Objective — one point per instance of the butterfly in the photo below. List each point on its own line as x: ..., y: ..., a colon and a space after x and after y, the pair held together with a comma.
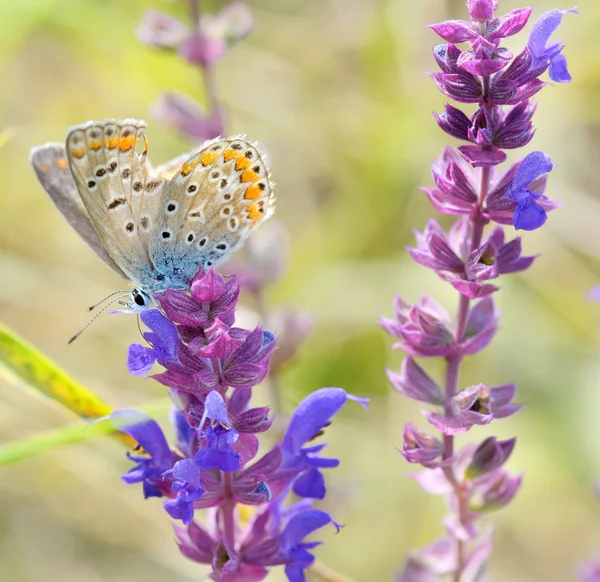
x: 155, y: 227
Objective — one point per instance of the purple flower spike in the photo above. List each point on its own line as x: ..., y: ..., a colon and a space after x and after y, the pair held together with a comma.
x: 529, y: 215
x: 219, y: 435
x: 163, y: 338
x: 544, y: 53
x: 469, y: 186
x: 311, y: 416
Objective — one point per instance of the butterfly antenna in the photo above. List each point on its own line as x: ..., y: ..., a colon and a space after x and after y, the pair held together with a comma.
x: 140, y: 330
x: 94, y: 319
x: 121, y: 292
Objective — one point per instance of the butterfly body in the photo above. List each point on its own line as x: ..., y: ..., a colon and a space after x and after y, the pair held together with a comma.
x: 157, y: 226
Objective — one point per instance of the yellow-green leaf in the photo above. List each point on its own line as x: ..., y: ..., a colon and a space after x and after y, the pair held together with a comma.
x: 39, y: 372
x: 74, y: 433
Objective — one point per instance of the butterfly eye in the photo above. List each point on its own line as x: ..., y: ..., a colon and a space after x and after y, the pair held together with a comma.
x: 138, y: 298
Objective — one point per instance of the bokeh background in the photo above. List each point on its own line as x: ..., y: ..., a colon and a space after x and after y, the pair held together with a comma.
x: 337, y: 91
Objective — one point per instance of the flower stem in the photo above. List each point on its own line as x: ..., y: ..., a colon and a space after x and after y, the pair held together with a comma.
x: 228, y: 511
x: 207, y: 72
x: 453, y: 364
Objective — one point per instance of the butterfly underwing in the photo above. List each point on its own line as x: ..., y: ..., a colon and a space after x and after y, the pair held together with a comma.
x: 155, y: 227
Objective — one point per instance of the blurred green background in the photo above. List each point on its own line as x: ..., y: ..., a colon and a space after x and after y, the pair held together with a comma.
x: 337, y: 92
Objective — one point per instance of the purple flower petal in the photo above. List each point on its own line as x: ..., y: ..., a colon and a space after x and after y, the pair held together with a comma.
x: 215, y: 409
x: 302, y: 525
x: 310, y: 484
x: 140, y: 359
x: 160, y: 30
x: 529, y: 216
x: 146, y: 432
x: 558, y: 70
x: 311, y: 415
x: 542, y: 30
x: 480, y: 158
x: 531, y: 168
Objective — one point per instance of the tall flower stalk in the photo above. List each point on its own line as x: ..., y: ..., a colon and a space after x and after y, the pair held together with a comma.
x: 211, y: 368
x: 259, y: 509
x: 468, y: 184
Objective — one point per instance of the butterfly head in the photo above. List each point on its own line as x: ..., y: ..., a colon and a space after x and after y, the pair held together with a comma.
x: 139, y: 300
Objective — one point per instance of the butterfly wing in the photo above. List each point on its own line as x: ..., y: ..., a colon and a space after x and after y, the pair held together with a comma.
x: 114, y: 185
x: 208, y: 208
x: 50, y: 164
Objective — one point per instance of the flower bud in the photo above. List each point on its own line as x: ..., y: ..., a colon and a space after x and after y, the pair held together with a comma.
x: 489, y: 455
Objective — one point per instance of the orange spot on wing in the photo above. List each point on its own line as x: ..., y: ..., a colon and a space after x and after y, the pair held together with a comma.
x: 111, y: 143
x: 242, y: 163
x: 126, y: 143
x: 254, y: 211
x: 95, y: 145
x: 253, y: 192
x: 187, y: 168
x: 230, y: 154
x: 62, y: 163
x: 208, y: 158
x: 78, y: 153
x: 249, y: 176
